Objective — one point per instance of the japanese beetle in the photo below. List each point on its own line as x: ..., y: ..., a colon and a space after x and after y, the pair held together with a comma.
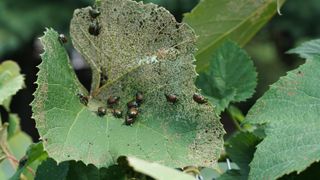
x: 133, y: 112
x: 132, y: 104
x: 113, y: 100
x: 94, y: 13
x: 199, y: 98
x: 129, y: 121
x: 83, y: 99
x: 102, y: 111
x: 171, y: 98
x: 62, y: 38
x: 94, y: 29
x: 139, y: 97
x: 117, y: 113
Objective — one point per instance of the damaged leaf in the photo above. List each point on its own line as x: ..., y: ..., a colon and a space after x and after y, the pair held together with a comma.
x: 138, y: 48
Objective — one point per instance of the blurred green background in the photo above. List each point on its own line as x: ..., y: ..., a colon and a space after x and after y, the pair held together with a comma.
x: 22, y: 22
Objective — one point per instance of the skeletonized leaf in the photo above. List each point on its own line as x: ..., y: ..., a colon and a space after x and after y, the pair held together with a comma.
x: 290, y: 113
x: 141, y: 48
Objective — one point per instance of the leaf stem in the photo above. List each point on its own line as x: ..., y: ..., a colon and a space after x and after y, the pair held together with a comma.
x: 236, y: 123
x: 236, y: 116
x: 16, y: 163
x: 9, y: 156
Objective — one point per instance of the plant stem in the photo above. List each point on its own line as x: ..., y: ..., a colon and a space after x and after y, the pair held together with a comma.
x: 16, y: 163
x: 236, y: 123
x: 9, y: 156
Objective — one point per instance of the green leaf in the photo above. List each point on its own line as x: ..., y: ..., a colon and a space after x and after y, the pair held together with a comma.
x: 240, y: 147
x: 147, y: 55
x: 235, y: 113
x: 231, y: 76
x: 51, y: 171
x: 78, y: 170
x: 290, y: 112
x: 216, y: 172
x: 308, y: 49
x: 6, y: 103
x: 310, y: 173
x: 14, y: 125
x: 217, y: 20
x: 209, y: 173
x: 10, y: 80
x: 129, y: 168
x: 156, y: 171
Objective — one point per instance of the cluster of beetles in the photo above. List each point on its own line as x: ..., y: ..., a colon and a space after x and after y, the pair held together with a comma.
x: 112, y: 101
x: 94, y: 27
x: 133, y: 106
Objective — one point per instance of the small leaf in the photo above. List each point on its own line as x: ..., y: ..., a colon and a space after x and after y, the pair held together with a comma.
x: 49, y: 170
x: 308, y: 49
x: 240, y: 147
x: 235, y: 113
x: 218, y: 171
x: 231, y: 76
x: 10, y: 80
x: 232, y: 175
x: 6, y: 103
x: 217, y: 20
x: 78, y: 170
x: 156, y: 171
x: 140, y: 48
x: 14, y: 125
x: 290, y: 114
